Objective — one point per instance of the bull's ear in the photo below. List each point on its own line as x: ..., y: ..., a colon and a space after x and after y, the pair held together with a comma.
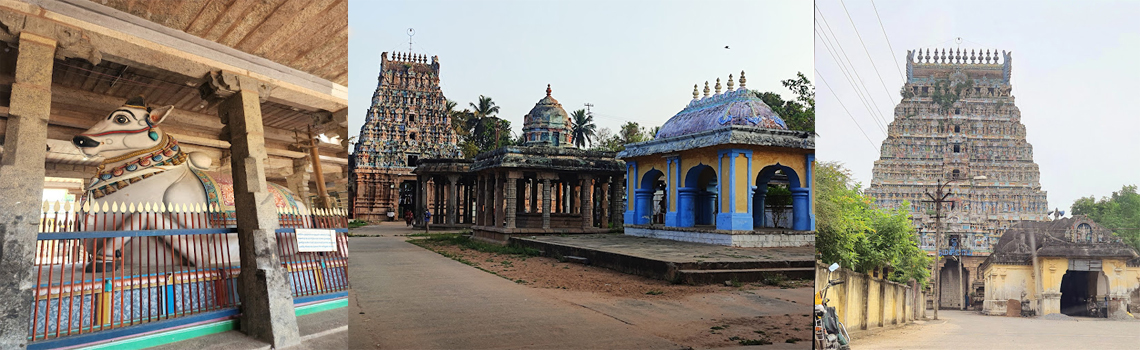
x: 159, y: 114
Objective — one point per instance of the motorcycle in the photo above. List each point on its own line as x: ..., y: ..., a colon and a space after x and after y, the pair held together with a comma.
x: 829, y: 332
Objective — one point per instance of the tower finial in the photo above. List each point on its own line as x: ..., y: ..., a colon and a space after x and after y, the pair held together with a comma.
x: 730, y: 83
x: 718, y: 86
x: 695, y: 92
x: 742, y: 80
x: 547, y: 90
x: 706, y: 89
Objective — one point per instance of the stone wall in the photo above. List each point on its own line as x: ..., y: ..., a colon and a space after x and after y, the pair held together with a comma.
x: 864, y: 302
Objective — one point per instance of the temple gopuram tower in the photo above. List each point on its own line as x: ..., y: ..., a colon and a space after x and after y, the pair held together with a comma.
x: 957, y: 122
x: 407, y: 122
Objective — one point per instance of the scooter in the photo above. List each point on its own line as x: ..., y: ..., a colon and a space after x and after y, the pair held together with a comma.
x: 829, y: 332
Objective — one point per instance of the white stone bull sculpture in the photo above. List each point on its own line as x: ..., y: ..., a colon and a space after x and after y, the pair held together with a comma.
x: 145, y: 165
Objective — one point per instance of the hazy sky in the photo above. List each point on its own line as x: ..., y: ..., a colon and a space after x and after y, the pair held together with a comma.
x: 1075, y: 78
x: 634, y: 60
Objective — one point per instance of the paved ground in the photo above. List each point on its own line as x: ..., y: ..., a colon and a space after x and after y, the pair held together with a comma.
x: 674, y: 251
x: 970, y: 330
x: 405, y: 296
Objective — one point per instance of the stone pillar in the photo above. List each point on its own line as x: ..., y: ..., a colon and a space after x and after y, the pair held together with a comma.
x: 617, y: 210
x: 566, y: 197
x: 534, y: 195
x: 587, y: 201
x: 604, y: 201
x: 489, y: 200
x: 512, y: 199
x: 500, y: 183
x: 299, y: 181
x: 452, y: 199
x: 421, y: 197
x: 22, y: 171
x: 801, y: 211
x: 546, y: 203
x: 267, y: 303
x: 481, y: 201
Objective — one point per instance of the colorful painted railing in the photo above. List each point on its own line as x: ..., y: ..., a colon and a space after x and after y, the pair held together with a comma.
x: 149, y: 275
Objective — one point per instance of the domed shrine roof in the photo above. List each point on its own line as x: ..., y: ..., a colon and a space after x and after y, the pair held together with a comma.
x: 547, y: 124
x: 740, y: 107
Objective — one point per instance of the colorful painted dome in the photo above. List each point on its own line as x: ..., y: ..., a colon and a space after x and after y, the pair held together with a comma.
x: 735, y: 107
x: 547, y: 124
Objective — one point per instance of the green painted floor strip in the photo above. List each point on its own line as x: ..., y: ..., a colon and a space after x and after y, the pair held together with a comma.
x: 147, y: 341
x: 177, y: 335
x: 323, y: 306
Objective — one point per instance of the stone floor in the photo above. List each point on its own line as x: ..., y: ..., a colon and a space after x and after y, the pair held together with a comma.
x: 674, y: 251
x: 319, y: 330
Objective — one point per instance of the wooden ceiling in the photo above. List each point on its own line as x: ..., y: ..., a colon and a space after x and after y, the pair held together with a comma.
x: 307, y: 35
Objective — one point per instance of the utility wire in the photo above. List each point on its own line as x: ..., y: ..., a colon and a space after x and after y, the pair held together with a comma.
x: 858, y: 93
x: 893, y: 55
x: 868, y: 52
x: 828, y: 86
x: 859, y: 78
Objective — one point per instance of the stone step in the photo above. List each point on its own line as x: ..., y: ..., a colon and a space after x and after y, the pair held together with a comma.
x: 697, y: 277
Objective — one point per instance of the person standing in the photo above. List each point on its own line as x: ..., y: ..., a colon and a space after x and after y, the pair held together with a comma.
x: 427, y: 220
x: 408, y: 217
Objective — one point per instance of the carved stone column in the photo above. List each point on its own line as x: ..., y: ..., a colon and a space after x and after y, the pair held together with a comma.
x: 452, y: 199
x: 587, y: 201
x: 617, y: 188
x: 267, y: 303
x: 546, y: 203
x: 512, y: 186
x: 604, y: 201
x: 22, y: 171
x: 500, y: 210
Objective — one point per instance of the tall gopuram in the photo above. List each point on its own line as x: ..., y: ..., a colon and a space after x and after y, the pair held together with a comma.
x: 407, y: 122
x: 957, y: 122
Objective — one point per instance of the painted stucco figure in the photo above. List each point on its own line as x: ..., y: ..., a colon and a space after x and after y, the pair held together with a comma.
x: 142, y: 164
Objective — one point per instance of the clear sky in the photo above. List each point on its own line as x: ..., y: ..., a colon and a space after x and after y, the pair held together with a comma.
x: 634, y: 60
x: 1075, y: 78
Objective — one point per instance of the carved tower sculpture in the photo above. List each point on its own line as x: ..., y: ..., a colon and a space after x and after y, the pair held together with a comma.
x: 407, y: 121
x: 957, y: 122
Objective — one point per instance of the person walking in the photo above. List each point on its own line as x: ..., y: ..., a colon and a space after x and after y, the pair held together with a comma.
x: 427, y: 220
x: 408, y: 217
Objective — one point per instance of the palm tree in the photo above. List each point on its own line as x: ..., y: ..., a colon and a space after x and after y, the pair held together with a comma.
x: 583, y: 129
x: 486, y: 108
x: 458, y: 118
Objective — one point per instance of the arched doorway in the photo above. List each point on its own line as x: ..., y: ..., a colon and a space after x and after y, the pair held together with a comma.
x: 697, y: 200
x: 645, y: 194
x: 1082, y: 286
x: 954, y: 287
x: 780, y: 181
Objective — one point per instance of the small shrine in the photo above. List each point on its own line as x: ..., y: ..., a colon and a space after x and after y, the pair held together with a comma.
x: 724, y: 170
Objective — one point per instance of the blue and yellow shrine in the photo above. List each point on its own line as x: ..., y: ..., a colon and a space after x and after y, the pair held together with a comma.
x: 707, y: 174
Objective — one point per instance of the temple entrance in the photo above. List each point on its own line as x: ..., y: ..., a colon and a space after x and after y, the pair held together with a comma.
x: 407, y: 199
x: 646, y: 203
x: 779, y: 201
x: 954, y: 287
x: 697, y: 201
x: 1084, y: 290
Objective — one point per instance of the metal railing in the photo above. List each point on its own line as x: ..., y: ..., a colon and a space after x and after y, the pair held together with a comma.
x: 97, y: 268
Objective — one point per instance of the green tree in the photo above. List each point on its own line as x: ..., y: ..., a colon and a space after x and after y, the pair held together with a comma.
x: 1120, y: 213
x: 478, y: 121
x: 855, y: 234
x: 798, y: 113
x: 583, y: 129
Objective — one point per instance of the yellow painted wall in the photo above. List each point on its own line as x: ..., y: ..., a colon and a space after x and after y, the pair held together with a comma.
x: 741, y: 185
x: 1004, y: 282
x: 793, y: 159
x: 1122, y: 279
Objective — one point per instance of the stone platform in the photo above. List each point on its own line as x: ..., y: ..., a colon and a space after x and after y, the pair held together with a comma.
x: 680, y: 262
x: 760, y: 238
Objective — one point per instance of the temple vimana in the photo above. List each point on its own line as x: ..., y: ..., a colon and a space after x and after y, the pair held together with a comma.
x: 407, y: 121
x: 957, y: 122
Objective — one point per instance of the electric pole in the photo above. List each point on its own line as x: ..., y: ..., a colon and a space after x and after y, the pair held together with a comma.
x: 937, y: 199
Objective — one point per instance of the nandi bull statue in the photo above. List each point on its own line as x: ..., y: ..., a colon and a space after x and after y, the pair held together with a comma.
x: 143, y: 164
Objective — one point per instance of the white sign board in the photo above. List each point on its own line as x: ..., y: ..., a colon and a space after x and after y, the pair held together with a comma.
x: 314, y: 240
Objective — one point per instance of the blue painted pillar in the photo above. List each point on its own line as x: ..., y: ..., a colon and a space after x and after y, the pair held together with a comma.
x: 733, y: 220
x: 672, y: 185
x: 801, y: 210
x: 759, y: 194
x: 643, y: 205
x: 686, y: 207
x: 630, y: 216
x: 811, y: 188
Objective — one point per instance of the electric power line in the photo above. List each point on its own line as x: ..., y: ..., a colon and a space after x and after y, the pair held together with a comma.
x: 868, y: 52
x: 893, y: 56
x: 828, y: 86
x: 863, y: 99
x: 854, y: 71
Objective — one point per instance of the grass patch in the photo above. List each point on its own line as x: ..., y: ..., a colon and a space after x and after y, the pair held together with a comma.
x: 754, y: 342
x: 465, y: 242
x: 774, y: 279
x: 717, y: 328
x: 654, y: 292
x: 357, y: 223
